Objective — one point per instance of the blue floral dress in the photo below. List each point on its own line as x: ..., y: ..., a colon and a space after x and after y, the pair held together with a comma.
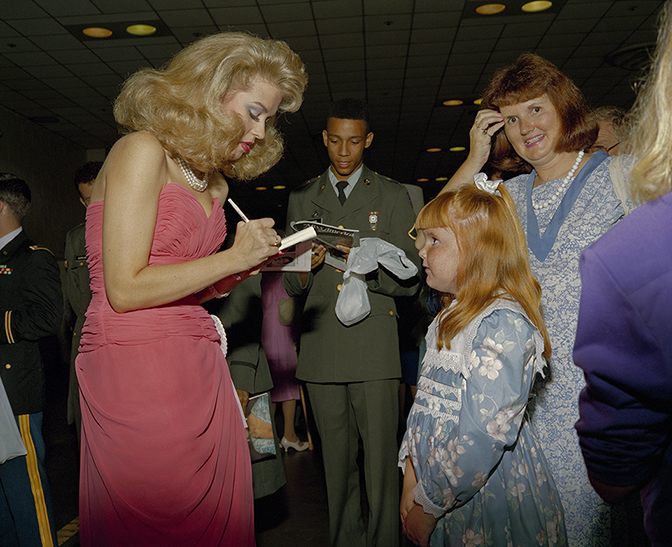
x: 595, y: 209
x: 479, y: 466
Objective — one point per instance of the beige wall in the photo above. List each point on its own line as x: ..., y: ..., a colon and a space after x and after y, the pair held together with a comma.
x: 48, y: 164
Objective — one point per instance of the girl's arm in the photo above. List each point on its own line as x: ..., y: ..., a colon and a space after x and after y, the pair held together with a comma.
x: 407, y: 495
x: 492, y: 411
x: 134, y: 173
x: 415, y: 523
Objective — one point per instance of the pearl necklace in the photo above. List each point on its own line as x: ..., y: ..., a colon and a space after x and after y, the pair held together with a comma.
x: 561, y: 188
x: 196, y: 183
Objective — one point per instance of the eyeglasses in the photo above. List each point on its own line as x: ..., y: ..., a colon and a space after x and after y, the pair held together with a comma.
x: 597, y: 148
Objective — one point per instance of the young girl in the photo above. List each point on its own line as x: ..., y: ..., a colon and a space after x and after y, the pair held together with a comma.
x: 474, y: 473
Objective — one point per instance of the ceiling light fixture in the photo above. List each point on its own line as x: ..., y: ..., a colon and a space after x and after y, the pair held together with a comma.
x: 441, y: 179
x: 453, y: 102
x: 261, y: 188
x: 536, y: 6
x: 433, y: 150
x: 422, y: 180
x: 97, y: 32
x: 478, y: 101
x: 141, y: 30
x: 457, y: 149
x: 279, y: 187
x: 490, y: 9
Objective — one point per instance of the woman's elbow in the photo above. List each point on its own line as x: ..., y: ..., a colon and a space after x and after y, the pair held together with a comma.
x: 120, y: 300
x: 611, y: 494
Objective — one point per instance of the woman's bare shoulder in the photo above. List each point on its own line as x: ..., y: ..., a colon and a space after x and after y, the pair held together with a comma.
x: 138, y: 143
x: 136, y: 160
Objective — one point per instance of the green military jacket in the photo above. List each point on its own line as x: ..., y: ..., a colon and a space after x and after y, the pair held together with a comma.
x: 330, y: 352
x: 78, y: 294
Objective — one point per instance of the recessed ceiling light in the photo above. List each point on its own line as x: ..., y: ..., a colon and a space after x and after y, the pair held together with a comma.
x: 97, y: 32
x: 141, y: 30
x: 537, y: 5
x: 453, y: 102
x: 478, y: 101
x: 422, y: 180
x: 457, y: 149
x: 490, y: 9
x: 433, y: 150
x: 261, y: 188
x: 280, y: 187
x: 441, y: 179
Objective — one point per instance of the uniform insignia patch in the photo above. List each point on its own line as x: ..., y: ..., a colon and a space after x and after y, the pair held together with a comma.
x: 373, y: 220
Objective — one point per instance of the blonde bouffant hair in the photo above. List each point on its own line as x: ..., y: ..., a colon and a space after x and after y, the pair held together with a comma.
x: 493, y: 258
x: 651, y: 177
x: 181, y: 104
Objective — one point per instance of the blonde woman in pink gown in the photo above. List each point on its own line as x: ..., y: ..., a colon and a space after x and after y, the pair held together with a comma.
x: 164, y: 455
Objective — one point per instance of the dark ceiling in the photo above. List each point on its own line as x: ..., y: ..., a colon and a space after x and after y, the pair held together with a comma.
x: 405, y: 57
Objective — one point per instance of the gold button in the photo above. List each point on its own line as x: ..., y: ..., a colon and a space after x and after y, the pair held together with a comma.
x: 8, y: 366
x: 339, y: 286
x: 341, y: 226
x: 391, y: 312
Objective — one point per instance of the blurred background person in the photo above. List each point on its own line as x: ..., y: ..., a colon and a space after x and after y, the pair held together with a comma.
x: 76, y: 288
x: 612, y: 123
x: 241, y: 315
x: 279, y: 336
x: 31, y: 304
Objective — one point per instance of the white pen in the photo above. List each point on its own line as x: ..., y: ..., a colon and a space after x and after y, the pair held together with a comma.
x: 242, y: 215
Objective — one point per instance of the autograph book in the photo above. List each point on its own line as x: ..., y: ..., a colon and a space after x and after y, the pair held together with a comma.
x: 331, y: 237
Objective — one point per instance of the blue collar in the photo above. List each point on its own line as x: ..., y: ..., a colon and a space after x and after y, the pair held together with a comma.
x: 542, y: 245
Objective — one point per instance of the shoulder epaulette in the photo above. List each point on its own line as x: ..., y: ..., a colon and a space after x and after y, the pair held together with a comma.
x: 40, y: 248
x: 386, y: 177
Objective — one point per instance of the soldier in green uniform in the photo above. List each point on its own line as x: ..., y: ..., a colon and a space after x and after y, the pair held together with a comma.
x: 352, y: 372
x: 31, y: 304
x: 77, y: 291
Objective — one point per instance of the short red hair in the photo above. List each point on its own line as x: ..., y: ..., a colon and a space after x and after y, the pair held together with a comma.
x: 532, y: 76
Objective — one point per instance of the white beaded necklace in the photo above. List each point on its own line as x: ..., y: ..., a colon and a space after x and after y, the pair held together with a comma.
x: 561, y: 188
x: 196, y: 183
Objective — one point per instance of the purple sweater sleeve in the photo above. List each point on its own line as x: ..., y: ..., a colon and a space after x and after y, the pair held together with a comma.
x: 623, y: 348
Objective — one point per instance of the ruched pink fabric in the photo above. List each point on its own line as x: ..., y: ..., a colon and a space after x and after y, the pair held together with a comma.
x: 164, y: 455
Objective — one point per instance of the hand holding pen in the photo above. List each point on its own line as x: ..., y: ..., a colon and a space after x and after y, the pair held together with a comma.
x: 256, y: 238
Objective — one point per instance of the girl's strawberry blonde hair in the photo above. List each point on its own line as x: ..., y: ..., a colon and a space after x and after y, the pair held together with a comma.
x: 493, y: 258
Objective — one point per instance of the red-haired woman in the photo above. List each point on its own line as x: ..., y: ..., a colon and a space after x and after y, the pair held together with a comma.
x: 534, y: 120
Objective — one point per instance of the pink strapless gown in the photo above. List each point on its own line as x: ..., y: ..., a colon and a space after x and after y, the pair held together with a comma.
x: 164, y: 455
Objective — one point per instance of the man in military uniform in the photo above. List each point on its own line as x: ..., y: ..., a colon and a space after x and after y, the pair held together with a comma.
x: 352, y: 372
x: 31, y: 303
x: 77, y: 290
